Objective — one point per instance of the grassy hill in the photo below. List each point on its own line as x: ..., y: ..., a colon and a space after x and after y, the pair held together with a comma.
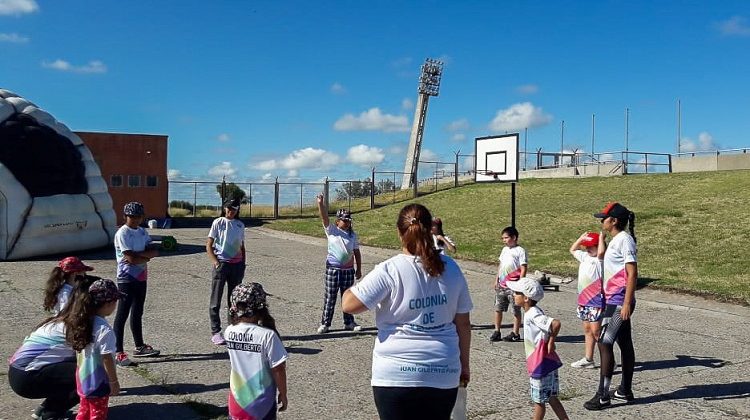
x: 691, y: 228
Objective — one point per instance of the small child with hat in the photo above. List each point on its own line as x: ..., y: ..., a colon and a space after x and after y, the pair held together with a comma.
x: 539, y: 332
x: 590, y: 299
x: 257, y: 356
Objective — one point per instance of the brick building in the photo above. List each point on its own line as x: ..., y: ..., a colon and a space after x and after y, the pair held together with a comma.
x: 135, y: 169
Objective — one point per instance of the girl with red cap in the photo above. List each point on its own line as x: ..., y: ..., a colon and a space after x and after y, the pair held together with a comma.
x: 590, y: 300
x: 61, y: 281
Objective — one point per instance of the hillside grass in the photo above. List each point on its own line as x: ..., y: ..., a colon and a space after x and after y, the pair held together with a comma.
x: 691, y: 228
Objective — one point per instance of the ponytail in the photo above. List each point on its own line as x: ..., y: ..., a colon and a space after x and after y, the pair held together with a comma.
x: 414, y: 225
x: 631, y: 225
x: 52, y: 287
x: 266, y: 320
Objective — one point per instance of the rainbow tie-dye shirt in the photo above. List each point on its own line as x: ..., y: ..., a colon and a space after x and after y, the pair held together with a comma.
x: 228, y: 236
x: 45, y: 346
x: 536, y: 327
x: 620, y: 251
x: 253, y: 352
x: 128, y: 239
x: 91, y: 378
x: 341, y: 246
x: 589, y: 279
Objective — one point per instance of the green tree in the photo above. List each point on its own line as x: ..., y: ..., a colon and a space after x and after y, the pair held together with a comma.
x: 181, y: 204
x: 231, y: 190
x: 354, y: 189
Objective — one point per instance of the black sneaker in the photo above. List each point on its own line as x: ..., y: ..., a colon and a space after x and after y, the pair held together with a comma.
x: 622, y: 396
x: 512, y: 338
x: 496, y: 336
x: 597, y: 402
x: 145, y: 351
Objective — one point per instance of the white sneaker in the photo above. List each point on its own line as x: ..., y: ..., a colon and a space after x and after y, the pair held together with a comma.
x: 583, y: 363
x: 323, y: 329
x: 353, y: 327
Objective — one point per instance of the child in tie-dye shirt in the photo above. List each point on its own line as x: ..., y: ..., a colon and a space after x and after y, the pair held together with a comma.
x: 590, y: 300
x: 539, y: 333
x: 88, y: 332
x: 257, y: 356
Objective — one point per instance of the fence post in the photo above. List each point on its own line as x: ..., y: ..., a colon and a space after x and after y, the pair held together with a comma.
x: 276, y: 199
x: 250, y: 194
x: 326, y: 197
x: 372, y: 190
x: 195, y: 198
x: 670, y: 163
x: 300, y: 199
x: 455, y: 171
x: 415, y: 183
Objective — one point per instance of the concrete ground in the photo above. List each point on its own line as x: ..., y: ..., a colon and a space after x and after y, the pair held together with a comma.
x: 692, y: 359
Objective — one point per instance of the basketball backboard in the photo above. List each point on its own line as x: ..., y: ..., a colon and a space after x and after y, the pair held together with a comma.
x: 496, y: 158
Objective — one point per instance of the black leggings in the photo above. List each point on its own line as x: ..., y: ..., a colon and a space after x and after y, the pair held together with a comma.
x: 614, y: 329
x: 402, y: 403
x: 132, y: 305
x: 55, y: 382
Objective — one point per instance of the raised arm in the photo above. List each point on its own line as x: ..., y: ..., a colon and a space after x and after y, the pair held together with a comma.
x: 577, y: 244
x: 323, y: 210
x: 602, y: 247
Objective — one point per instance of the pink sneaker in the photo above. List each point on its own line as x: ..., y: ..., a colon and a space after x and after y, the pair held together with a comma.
x: 218, y: 340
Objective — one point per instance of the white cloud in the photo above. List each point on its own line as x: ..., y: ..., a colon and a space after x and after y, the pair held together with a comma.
x: 266, y: 177
x: 458, y: 137
x: 13, y: 38
x: 173, y: 174
x: 372, y: 120
x: 407, y: 104
x: 307, y: 158
x: 529, y: 89
x: 734, y: 26
x: 427, y: 154
x: 338, y: 89
x: 223, y: 137
x: 222, y: 169
x: 458, y: 125
x: 365, y: 155
x: 94, y: 66
x: 520, y: 116
x: 705, y: 142
x: 292, y: 173
x: 17, y: 7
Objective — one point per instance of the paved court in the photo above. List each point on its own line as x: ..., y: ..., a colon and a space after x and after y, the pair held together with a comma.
x: 692, y: 358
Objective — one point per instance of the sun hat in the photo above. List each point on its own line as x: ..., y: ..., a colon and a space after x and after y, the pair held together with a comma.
x: 529, y: 287
x: 104, y: 290
x: 133, y: 208
x: 73, y: 264
x: 232, y: 203
x: 591, y: 239
x: 613, y: 209
x: 250, y: 296
x: 344, y: 214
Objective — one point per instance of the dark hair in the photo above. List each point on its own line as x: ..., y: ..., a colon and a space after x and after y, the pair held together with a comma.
x: 80, y: 289
x: 78, y: 315
x: 57, y: 278
x: 623, y: 223
x: 511, y: 231
x: 414, y: 224
x: 262, y: 315
x: 439, y: 225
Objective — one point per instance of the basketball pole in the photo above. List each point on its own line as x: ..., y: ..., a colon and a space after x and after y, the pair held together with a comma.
x: 513, y: 204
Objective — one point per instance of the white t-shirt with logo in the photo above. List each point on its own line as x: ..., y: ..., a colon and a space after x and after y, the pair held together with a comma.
x: 228, y: 236
x: 620, y: 251
x: 417, y: 342
x: 511, y: 260
x: 129, y: 239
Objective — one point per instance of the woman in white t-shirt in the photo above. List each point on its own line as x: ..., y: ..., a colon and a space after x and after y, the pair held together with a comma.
x: 619, y: 281
x: 422, y: 304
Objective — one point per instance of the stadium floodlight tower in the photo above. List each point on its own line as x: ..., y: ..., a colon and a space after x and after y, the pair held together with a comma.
x: 429, y: 85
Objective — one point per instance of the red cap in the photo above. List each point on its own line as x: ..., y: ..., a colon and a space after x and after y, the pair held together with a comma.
x: 591, y: 239
x: 72, y: 264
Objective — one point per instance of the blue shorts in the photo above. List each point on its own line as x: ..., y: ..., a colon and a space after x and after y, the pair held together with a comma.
x: 544, y: 388
x: 589, y: 313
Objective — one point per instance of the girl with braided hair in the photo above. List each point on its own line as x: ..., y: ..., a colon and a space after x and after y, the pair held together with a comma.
x: 422, y: 304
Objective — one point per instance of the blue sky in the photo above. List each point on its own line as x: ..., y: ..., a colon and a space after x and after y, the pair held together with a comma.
x: 304, y: 90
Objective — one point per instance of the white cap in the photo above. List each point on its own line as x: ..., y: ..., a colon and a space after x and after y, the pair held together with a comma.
x: 529, y: 287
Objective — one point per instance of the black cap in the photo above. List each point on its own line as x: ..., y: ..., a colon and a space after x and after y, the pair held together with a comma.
x: 232, y: 203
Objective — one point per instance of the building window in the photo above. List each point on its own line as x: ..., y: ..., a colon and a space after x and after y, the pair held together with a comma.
x: 134, y: 181
x: 151, y: 180
x: 115, y: 181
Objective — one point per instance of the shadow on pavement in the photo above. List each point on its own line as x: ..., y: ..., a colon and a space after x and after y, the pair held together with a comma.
x: 174, y: 389
x: 186, y: 357
x: 333, y: 334
x: 728, y: 391
x: 680, y: 361
x: 160, y: 411
x: 570, y: 339
x: 303, y: 350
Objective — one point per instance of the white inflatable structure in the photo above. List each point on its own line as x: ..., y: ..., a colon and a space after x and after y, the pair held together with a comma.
x: 53, y: 198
